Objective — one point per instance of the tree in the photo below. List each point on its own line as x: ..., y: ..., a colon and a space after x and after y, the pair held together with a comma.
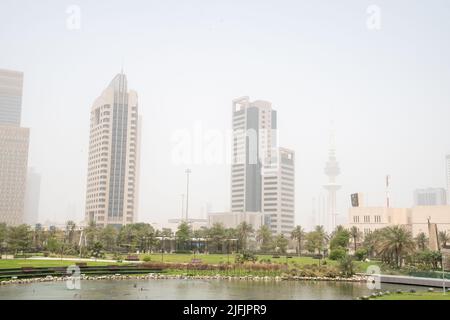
x: 340, y: 238
x: 338, y: 253
x: 217, y: 235
x: 3, y: 235
x: 91, y: 233
x: 396, y: 243
x: 281, y: 243
x: 371, y: 242
x: 184, y: 233
x: 97, y: 250
x: 421, y: 241
x: 347, y: 266
x: 136, y: 236
x: 19, y: 238
x: 244, y: 230
x: 444, y: 238
x: 356, y: 235
x: 298, y: 234
x: 316, y: 240
x: 108, y: 236
x: 264, y: 237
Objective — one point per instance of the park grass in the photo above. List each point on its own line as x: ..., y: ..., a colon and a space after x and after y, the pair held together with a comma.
x: 19, y: 263
x: 224, y: 258
x: 415, y: 296
x: 294, y: 262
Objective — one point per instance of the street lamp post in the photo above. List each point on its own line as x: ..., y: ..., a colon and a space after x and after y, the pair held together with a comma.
x: 188, y: 171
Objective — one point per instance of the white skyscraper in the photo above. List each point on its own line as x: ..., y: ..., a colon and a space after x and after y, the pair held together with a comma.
x: 254, y: 140
x: 332, y: 171
x: 113, y: 167
x: 262, y: 175
x: 279, y: 192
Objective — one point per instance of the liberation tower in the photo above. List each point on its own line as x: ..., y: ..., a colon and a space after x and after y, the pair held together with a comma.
x: 332, y: 171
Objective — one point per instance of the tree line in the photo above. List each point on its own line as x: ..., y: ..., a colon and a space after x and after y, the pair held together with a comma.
x: 392, y: 245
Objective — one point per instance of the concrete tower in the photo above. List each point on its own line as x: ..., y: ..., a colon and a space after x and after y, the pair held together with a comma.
x: 332, y: 171
x: 113, y: 167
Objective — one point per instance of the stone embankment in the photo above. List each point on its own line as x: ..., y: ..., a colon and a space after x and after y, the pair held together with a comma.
x: 156, y: 276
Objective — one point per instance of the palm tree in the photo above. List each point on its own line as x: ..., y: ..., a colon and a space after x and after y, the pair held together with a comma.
x: 395, y: 244
x: 298, y: 234
x: 264, y: 237
x: 444, y: 237
x: 356, y: 235
x: 421, y: 241
x: 244, y: 230
x: 322, y: 238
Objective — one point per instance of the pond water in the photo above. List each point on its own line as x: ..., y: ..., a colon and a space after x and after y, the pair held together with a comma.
x: 192, y: 289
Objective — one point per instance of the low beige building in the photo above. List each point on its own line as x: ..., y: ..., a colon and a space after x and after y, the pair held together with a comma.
x: 368, y: 219
x: 233, y: 219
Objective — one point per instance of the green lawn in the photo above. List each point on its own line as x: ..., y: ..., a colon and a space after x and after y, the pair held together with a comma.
x: 18, y: 263
x: 218, y: 258
x: 176, y: 258
x: 416, y: 296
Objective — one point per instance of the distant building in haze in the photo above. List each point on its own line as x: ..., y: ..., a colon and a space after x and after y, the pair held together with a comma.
x: 447, y: 171
x: 430, y: 197
x: 113, y: 165
x: 32, y: 197
x: 14, y: 141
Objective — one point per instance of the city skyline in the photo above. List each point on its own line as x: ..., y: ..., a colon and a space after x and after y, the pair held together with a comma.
x: 365, y: 85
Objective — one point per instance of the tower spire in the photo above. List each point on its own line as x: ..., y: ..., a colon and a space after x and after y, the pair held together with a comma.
x: 332, y: 170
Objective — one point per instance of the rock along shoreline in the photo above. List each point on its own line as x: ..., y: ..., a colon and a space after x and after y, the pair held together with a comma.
x: 156, y: 276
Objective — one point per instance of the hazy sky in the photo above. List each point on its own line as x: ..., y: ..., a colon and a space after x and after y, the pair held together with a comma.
x: 387, y: 90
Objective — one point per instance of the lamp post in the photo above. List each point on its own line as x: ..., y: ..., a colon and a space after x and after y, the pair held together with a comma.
x: 443, y: 272
x: 188, y: 171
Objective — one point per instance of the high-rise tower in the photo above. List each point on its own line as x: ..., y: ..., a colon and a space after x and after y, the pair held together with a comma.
x: 254, y: 141
x: 14, y: 142
x: 332, y: 171
x: 113, y: 167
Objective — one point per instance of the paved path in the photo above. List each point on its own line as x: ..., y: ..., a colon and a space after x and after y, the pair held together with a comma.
x: 80, y: 259
x: 415, y: 281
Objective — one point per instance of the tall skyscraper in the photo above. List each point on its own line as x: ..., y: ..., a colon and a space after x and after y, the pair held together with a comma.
x: 262, y: 175
x: 332, y: 171
x: 14, y: 142
x: 447, y: 171
x: 254, y: 138
x: 279, y: 192
x: 11, y: 84
x: 32, y: 197
x: 113, y: 166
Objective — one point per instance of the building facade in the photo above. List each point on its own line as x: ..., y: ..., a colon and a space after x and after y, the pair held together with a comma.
x: 262, y: 174
x: 233, y: 219
x: 32, y: 197
x: 113, y: 164
x: 11, y: 85
x: 254, y: 138
x: 415, y: 219
x: 14, y: 142
x: 430, y: 197
x: 279, y: 193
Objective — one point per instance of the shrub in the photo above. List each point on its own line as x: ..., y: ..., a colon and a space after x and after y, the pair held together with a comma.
x: 361, y: 254
x: 147, y: 258
x: 338, y: 253
x: 347, y: 266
